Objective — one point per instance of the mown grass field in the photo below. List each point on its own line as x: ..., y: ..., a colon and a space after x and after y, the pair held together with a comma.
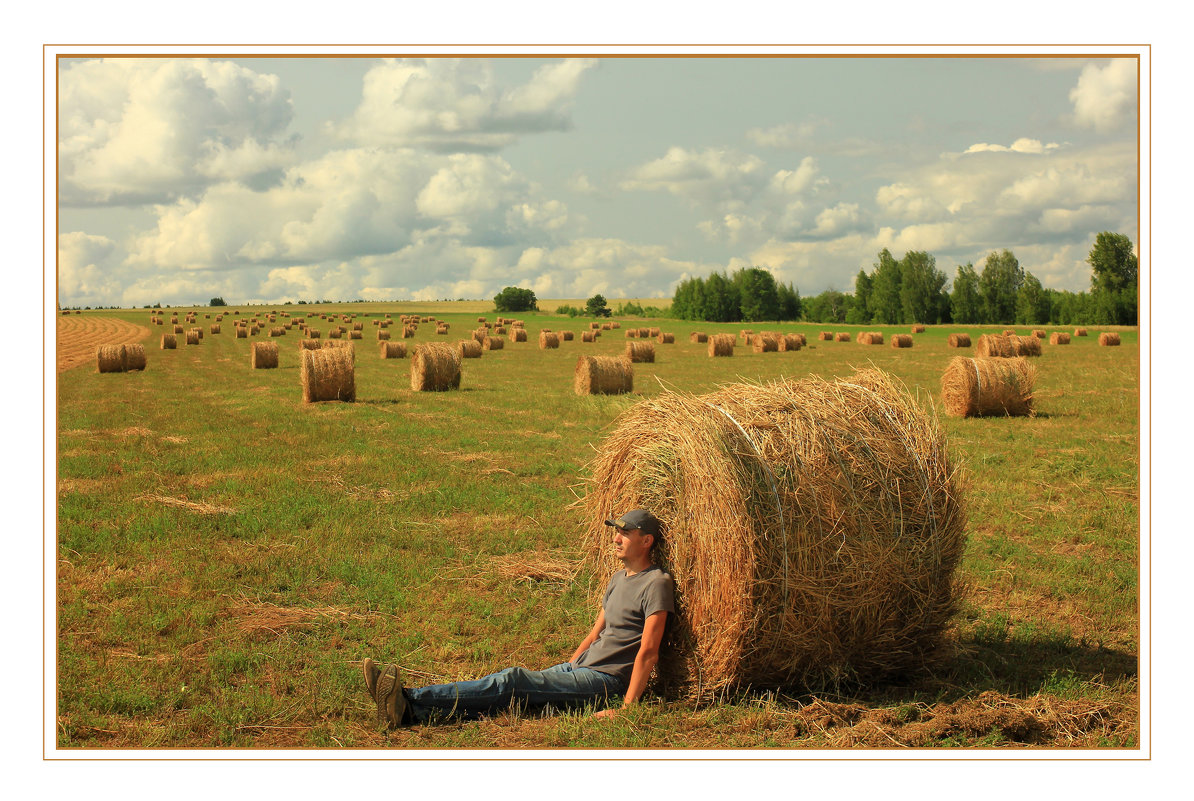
x: 227, y: 555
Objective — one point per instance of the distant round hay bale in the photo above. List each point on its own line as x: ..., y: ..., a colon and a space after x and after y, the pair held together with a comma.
x: 588, y: 336
x: 595, y: 326
x: 958, y: 340
x: 1026, y: 346
x: 644, y: 333
x: 603, y: 375
x: 518, y: 335
x: 178, y: 329
x: 500, y: 330
x: 134, y: 356
x: 721, y: 344
x: 435, y: 367
x: 263, y: 355
x: 480, y: 319
x: 334, y: 333
x: 986, y: 387
x: 193, y: 336
x: 918, y: 329
x: 992, y: 346
x: 566, y: 336
x: 358, y: 327
x: 111, y: 359
x: 1039, y: 333
x: 666, y: 339
x: 309, y: 344
x: 383, y: 334
x: 871, y: 338
x: 764, y: 343
x: 698, y: 338
x: 607, y: 326
x: 393, y: 350
x: 174, y: 318
x: 479, y: 334
x: 328, y: 374
x: 254, y: 329
x: 355, y: 334
x: 640, y: 351
x: 825, y: 336
x: 470, y: 349
x: 836, y: 527
x: 615, y: 324
x: 652, y: 333
x: 277, y: 331
x: 1110, y: 338
x: 312, y: 333
x: 169, y: 342
x: 1059, y: 338
x: 493, y: 343
x: 1079, y: 332
x: 408, y: 331
x: 632, y: 333
x: 548, y: 339
x: 842, y: 336
x: 215, y: 328
x: 789, y: 342
x: 901, y: 340
x: 241, y: 332
x: 65, y: 312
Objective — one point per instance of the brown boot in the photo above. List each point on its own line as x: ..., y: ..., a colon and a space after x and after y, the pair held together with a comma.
x: 391, y: 703
x: 371, y: 671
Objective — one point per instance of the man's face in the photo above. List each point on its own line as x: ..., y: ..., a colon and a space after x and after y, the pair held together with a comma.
x: 631, y: 545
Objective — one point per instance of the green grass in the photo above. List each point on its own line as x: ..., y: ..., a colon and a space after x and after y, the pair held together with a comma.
x: 294, y: 540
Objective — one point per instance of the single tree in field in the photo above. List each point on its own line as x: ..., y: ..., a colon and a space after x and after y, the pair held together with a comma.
x: 596, y: 307
x: 999, y: 284
x: 1113, y: 279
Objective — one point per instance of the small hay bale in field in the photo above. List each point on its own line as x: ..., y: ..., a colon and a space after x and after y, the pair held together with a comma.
x: 241, y: 332
x: 871, y: 338
x: 173, y: 319
x: 65, y: 312
x: 839, y: 528
x: 254, y: 329
x: 901, y: 341
x: 632, y: 333
x: 178, y: 329
x: 721, y: 344
x: 825, y: 336
x: 988, y: 387
x: 1079, y: 332
x: 480, y: 334
x: 383, y: 334
x: 435, y: 367
x: 603, y: 375
x: 1039, y: 333
x: 666, y: 339
x: 169, y: 342
x: 500, y: 330
x: 1110, y: 338
x: 607, y: 326
x: 263, y: 355
x: 652, y: 333
x: 193, y: 337
x: 358, y: 326
x: 134, y: 356
x: 355, y: 334
x: 493, y: 343
x: 309, y: 344
x: 312, y: 333
x: 640, y: 351
x: 615, y: 324
x: 644, y: 333
x: 787, y: 342
x: 328, y: 374
x: 764, y: 343
x: 470, y: 349
x: 918, y: 329
x: 1059, y: 338
x: 215, y: 328
x: 958, y: 340
x: 393, y: 350
x: 992, y: 346
x: 698, y: 337
x: 588, y: 336
x: 594, y: 326
x: 480, y: 319
x: 277, y: 331
x: 110, y: 358
x: 518, y: 335
x: 842, y: 336
x: 1026, y: 346
x: 566, y: 336
x: 548, y: 339
x: 408, y: 331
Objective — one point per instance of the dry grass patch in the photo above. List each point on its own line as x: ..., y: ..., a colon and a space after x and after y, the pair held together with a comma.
x: 190, y: 506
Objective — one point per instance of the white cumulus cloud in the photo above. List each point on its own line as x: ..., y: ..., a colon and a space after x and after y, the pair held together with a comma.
x: 1105, y: 97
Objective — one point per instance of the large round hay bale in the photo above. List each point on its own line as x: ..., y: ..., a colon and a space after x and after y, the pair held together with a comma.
x: 789, y: 342
x: 842, y: 336
x: 518, y: 335
x: 134, y: 356
x: 1109, y: 338
x: 277, y: 331
x: 215, y: 328
x: 991, y: 346
x: 651, y: 333
x: 698, y: 337
x: 241, y: 332
x: 193, y: 336
x: 566, y: 336
x: 1026, y: 346
x: 110, y: 358
x: 958, y: 340
x: 393, y: 350
x: 328, y: 374
x: 985, y: 387
x: 548, y: 339
x: 813, y: 529
x: 341, y: 344
x: 333, y: 334
x: 312, y: 333
x: 721, y: 344
x: 588, y: 336
x: 435, y: 367
x: 764, y: 343
x: 666, y: 339
x: 640, y: 351
x: 178, y: 329
x: 408, y: 331
x: 263, y: 355
x: 1059, y: 338
x: 354, y: 334
x: 603, y: 375
x: 871, y: 338
x: 470, y: 349
x: 1079, y: 332
x: 632, y: 333
x: 383, y: 334
x: 901, y: 340
x: 493, y: 343
x: 169, y: 342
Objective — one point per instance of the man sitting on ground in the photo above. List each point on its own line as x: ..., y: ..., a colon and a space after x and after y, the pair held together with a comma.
x: 616, y: 658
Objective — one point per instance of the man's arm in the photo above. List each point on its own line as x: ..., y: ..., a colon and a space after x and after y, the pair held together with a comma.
x: 589, y: 640
x: 644, y: 662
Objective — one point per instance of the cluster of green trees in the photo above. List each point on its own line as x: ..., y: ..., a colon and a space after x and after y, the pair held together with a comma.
x: 914, y: 290
x: 749, y: 295
x: 514, y: 299
x: 595, y: 306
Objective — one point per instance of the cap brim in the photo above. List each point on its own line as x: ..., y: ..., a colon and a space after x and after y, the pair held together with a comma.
x: 612, y: 523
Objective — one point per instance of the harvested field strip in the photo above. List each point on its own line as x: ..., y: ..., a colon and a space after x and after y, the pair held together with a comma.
x: 78, y: 337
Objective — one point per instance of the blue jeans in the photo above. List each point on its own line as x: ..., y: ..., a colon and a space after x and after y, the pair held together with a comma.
x: 560, y: 686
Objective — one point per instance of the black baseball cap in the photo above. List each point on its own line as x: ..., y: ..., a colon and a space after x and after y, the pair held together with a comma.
x: 637, y: 518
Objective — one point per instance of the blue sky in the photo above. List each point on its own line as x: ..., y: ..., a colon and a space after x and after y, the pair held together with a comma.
x: 275, y: 179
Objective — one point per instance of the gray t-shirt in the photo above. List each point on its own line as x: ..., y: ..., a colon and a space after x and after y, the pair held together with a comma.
x: 628, y: 602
